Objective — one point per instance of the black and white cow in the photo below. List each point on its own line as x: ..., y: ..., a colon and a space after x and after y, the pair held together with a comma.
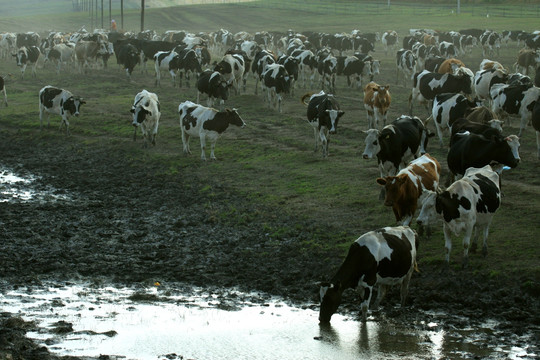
x: 491, y: 43
x: 467, y: 204
x: 167, y: 60
x: 262, y: 59
x: 3, y: 90
x: 146, y: 114
x: 61, y: 54
x: 307, y: 64
x: 327, y: 68
x: 398, y: 143
x: 448, y: 107
x: 473, y: 150
x: 353, y: 66
x: 128, y: 57
x: 206, y: 123
x: 323, y: 113
x: 276, y: 81
x: 232, y: 66
x: 53, y: 100
x: 291, y: 65
x: 429, y: 84
x: 406, y: 64
x: 213, y: 84
x: 485, y: 79
x: 433, y: 63
x: 448, y: 49
x: 389, y: 39
x: 376, y: 260
x: 515, y: 99
x: 189, y: 63
x: 27, y: 55
x: 535, y: 120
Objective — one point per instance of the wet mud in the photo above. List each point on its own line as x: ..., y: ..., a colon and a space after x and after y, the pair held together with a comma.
x: 120, y: 223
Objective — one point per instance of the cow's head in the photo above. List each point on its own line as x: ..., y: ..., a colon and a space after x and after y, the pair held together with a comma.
x: 393, y: 186
x: 21, y: 56
x: 73, y: 105
x: 507, y: 150
x: 372, y: 144
x: 139, y: 114
x: 330, y: 118
x: 428, y: 211
x: 330, y: 299
x: 234, y: 118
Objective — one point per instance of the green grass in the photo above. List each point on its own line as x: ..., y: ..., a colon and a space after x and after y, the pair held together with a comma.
x: 271, y: 161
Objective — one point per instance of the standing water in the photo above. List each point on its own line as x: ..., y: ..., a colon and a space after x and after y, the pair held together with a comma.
x: 151, y: 324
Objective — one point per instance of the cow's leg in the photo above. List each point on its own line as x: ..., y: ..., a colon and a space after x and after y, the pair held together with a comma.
x: 279, y: 100
x: 6, y: 103
x: 364, y: 305
x: 23, y: 69
x: 484, y: 244
x: 523, y: 124
x: 41, y: 109
x: 316, y: 139
x: 381, y: 292
x: 202, y: 137
x: 173, y: 77
x: 537, y: 142
x: 212, y: 147
x: 185, y: 142
x: 447, y: 243
x: 407, y: 220
x: 324, y: 142
x: 466, y: 243
x: 405, y: 287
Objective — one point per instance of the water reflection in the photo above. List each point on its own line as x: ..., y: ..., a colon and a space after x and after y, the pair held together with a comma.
x: 15, y: 188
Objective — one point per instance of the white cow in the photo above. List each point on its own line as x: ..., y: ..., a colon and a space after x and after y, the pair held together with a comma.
x: 146, y: 115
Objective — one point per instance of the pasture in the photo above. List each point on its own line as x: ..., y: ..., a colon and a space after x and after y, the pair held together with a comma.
x: 270, y: 164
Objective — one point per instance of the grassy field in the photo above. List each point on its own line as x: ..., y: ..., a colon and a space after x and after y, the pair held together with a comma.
x: 271, y: 161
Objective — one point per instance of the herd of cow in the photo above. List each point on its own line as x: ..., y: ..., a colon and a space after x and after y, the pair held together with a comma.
x: 409, y: 177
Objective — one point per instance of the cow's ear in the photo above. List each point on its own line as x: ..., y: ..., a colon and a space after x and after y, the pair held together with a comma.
x: 381, y: 181
x: 341, y: 112
x: 132, y: 111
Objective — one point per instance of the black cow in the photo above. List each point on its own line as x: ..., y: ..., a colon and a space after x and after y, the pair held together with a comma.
x: 428, y: 84
x: 377, y: 259
x: 327, y: 68
x: 213, y: 84
x: 27, y: 55
x: 128, y: 57
x: 473, y: 150
x: 433, y: 63
x: 323, y: 113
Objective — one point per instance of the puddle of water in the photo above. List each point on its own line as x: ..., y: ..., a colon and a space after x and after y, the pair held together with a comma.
x: 196, y: 326
x: 16, y: 188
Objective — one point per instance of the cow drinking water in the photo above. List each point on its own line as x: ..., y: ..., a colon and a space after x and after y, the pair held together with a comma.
x: 377, y: 259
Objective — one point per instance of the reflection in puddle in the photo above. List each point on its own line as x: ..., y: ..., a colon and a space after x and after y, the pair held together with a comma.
x: 15, y: 188
x: 196, y: 324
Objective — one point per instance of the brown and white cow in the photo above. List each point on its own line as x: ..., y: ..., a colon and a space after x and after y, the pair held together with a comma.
x: 377, y: 259
x: 204, y: 122
x: 468, y: 203
x: 404, y: 192
x: 449, y: 66
x: 526, y: 59
x: 377, y: 101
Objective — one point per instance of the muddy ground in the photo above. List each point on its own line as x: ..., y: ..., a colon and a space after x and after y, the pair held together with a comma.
x: 125, y: 225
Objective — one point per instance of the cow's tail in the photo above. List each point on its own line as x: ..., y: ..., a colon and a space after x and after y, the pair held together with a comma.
x: 416, y: 267
x: 428, y: 120
x: 306, y: 96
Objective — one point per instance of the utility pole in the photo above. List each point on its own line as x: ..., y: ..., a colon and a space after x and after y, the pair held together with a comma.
x: 122, y: 14
x: 102, y: 14
x: 110, y: 12
x: 142, y: 15
x: 458, y: 7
